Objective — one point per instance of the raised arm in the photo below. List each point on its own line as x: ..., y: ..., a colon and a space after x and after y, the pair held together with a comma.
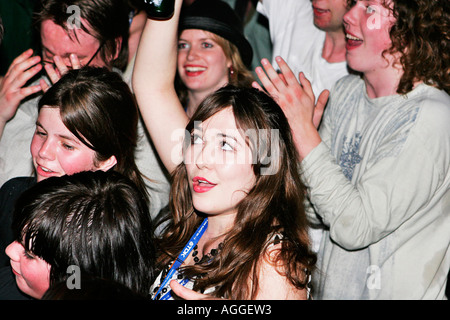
x: 153, y: 84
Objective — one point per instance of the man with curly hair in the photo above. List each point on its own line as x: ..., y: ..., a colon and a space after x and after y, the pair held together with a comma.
x: 378, y: 170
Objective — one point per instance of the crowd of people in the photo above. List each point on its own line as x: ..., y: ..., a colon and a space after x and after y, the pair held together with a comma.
x: 150, y: 158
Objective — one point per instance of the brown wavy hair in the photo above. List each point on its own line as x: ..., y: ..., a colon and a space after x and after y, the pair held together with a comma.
x: 421, y: 33
x: 273, y: 205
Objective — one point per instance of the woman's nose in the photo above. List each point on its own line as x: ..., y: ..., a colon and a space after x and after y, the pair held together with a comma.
x: 46, y: 151
x: 14, y: 250
x: 205, y: 157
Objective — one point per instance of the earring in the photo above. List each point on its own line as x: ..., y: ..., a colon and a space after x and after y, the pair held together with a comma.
x: 231, y: 71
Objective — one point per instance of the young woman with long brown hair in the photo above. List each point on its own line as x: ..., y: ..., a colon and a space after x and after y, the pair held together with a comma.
x: 238, y: 227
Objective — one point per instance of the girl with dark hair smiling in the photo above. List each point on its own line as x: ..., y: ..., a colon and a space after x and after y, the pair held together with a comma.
x: 87, y: 121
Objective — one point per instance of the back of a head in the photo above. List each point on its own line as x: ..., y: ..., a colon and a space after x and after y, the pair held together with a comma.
x: 97, y: 221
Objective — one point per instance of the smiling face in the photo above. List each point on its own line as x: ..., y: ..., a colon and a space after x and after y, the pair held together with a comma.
x: 202, y: 63
x: 32, y: 273
x: 219, y: 165
x: 55, y: 150
x: 367, y: 26
x: 328, y: 14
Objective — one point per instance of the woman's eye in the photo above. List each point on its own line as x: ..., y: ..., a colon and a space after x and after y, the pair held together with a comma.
x: 28, y: 255
x: 226, y: 146
x: 370, y: 9
x: 40, y: 133
x: 68, y: 147
x: 182, y: 45
x: 196, y: 139
x: 207, y: 45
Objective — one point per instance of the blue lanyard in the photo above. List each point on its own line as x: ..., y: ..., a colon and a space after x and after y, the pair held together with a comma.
x: 181, y: 258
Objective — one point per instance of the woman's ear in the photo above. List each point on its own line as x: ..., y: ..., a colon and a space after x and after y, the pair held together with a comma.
x: 107, y: 164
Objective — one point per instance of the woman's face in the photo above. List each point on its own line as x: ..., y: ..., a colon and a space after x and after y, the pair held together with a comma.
x: 32, y: 273
x: 56, y: 151
x: 367, y: 26
x: 202, y: 63
x: 219, y: 165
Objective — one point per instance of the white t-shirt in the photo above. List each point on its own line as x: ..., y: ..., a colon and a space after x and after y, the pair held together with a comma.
x: 299, y: 42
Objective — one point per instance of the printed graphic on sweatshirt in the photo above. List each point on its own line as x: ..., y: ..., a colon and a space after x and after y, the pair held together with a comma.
x: 350, y: 155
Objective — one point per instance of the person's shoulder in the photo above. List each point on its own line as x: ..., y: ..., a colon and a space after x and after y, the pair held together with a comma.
x: 18, y: 183
x: 434, y: 97
x: 430, y: 110
x: 434, y: 103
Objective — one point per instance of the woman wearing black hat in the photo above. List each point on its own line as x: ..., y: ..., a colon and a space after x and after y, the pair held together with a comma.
x: 212, y: 52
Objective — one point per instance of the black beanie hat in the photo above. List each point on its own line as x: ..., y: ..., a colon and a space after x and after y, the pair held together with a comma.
x: 219, y: 18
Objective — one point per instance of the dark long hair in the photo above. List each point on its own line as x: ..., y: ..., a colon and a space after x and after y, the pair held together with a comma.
x: 97, y: 106
x: 274, y: 204
x: 97, y: 221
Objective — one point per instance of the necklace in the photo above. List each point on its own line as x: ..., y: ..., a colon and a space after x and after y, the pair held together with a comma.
x: 207, y: 257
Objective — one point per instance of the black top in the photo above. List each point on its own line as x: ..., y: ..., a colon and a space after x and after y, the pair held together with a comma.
x: 9, y: 192
x: 8, y: 286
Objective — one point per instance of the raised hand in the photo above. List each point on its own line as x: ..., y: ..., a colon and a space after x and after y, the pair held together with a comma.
x: 55, y: 74
x: 295, y: 98
x: 12, y: 89
x: 297, y: 101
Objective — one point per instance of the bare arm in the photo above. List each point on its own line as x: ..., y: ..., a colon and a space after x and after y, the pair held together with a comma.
x: 273, y: 284
x: 153, y: 84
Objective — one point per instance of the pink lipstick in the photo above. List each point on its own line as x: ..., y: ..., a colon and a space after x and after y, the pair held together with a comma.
x: 201, y: 185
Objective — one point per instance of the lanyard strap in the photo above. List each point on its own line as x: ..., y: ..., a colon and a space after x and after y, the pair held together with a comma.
x: 183, y: 255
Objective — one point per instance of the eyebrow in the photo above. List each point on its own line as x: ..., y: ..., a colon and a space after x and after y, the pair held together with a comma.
x: 74, y: 139
x: 201, y: 39
x: 221, y: 135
